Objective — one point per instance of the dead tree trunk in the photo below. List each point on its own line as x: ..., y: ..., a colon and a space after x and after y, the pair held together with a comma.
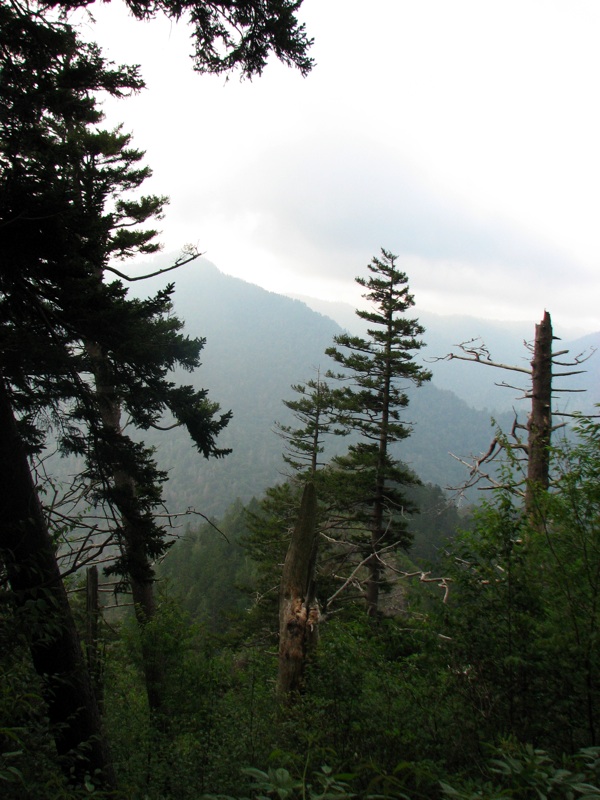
x: 536, y: 449
x: 539, y: 424
x: 298, y: 614
x: 28, y: 553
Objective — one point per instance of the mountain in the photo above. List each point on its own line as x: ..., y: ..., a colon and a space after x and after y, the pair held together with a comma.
x: 257, y: 344
x: 505, y: 342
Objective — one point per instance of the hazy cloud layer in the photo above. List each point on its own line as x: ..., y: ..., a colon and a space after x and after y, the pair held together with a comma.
x: 462, y: 136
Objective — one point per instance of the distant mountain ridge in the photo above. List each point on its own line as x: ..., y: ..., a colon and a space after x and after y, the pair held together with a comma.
x: 505, y: 341
x: 258, y: 343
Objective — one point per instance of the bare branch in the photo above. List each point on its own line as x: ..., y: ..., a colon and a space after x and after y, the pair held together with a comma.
x: 192, y: 512
x: 179, y: 263
x: 478, y: 353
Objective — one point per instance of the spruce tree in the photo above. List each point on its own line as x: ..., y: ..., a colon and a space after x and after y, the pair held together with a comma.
x: 129, y: 346
x: 60, y: 322
x: 315, y: 410
x: 376, y: 373
x: 66, y: 210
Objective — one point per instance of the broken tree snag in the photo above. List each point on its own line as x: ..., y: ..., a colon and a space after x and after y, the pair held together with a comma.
x: 298, y: 615
x: 539, y: 424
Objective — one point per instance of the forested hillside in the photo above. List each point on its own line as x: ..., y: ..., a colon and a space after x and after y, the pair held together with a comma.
x: 257, y: 345
x: 505, y: 341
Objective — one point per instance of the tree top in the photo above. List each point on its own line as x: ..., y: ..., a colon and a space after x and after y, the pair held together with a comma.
x: 229, y: 34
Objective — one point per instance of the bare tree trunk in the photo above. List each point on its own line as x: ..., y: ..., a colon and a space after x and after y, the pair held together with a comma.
x: 28, y: 552
x: 539, y: 425
x: 298, y: 615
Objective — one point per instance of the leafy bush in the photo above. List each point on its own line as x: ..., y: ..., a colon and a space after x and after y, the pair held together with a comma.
x: 523, y: 772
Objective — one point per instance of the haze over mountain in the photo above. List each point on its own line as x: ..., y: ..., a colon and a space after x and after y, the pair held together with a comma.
x: 506, y: 342
x: 258, y: 343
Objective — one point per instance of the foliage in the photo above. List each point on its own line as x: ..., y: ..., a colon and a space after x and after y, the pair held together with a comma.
x: 278, y: 782
x: 524, y: 616
x: 316, y: 410
x: 210, y: 572
x: 375, y: 371
x: 392, y: 704
x: 521, y: 771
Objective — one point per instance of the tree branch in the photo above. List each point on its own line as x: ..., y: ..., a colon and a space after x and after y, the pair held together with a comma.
x: 179, y: 263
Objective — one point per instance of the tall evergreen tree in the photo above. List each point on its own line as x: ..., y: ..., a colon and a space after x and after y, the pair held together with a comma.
x: 376, y: 371
x: 59, y: 321
x: 45, y: 77
x: 131, y: 372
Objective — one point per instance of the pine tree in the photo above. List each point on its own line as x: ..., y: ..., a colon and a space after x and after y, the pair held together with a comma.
x: 376, y: 372
x: 315, y: 410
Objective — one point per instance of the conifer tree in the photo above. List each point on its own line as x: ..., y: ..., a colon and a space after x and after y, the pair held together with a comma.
x: 130, y: 371
x: 45, y: 76
x: 60, y: 322
x: 230, y: 35
x: 66, y: 210
x: 376, y: 373
x: 315, y: 410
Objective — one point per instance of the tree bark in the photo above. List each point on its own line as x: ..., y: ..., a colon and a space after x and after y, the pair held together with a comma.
x: 298, y: 615
x: 92, y: 618
x: 140, y: 571
x: 374, y: 564
x: 28, y: 552
x: 539, y: 425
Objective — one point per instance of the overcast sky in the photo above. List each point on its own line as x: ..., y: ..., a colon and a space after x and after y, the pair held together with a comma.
x: 462, y: 135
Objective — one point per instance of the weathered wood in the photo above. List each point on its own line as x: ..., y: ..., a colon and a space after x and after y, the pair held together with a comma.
x: 539, y: 424
x: 298, y: 615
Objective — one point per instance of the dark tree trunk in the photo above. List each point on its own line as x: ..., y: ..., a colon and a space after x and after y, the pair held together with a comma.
x: 92, y: 615
x: 539, y: 425
x: 41, y: 601
x: 298, y: 615
x: 133, y: 534
x: 152, y: 657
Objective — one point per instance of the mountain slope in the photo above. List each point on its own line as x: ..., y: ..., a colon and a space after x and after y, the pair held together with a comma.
x: 506, y: 343
x: 258, y: 344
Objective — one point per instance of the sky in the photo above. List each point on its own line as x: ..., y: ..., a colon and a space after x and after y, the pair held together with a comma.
x: 462, y: 136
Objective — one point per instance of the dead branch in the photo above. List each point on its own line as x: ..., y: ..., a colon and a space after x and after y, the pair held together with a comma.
x: 349, y: 580
x: 424, y: 577
x: 192, y: 256
x: 479, y: 354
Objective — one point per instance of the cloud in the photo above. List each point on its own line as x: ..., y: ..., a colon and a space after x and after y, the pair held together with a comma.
x: 454, y: 136
x: 324, y: 193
